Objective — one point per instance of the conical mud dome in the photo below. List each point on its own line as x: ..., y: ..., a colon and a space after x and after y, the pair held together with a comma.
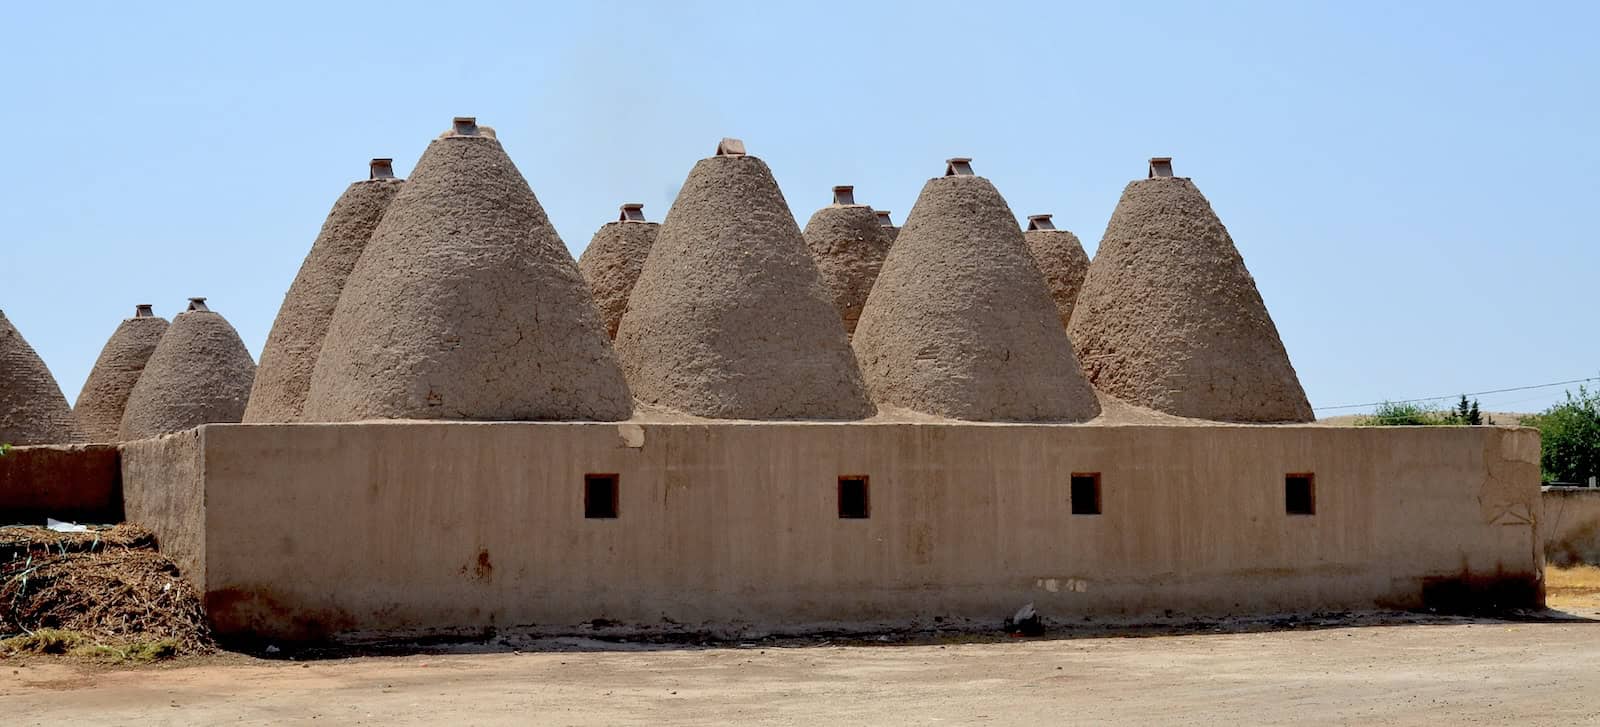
x: 848, y: 243
x: 466, y: 305
x: 279, y: 394
x: 729, y: 318
x: 1062, y: 260
x: 1170, y: 319
x: 105, y: 394
x: 890, y: 232
x: 613, y: 259
x: 32, y: 408
x: 960, y: 323
x: 200, y: 373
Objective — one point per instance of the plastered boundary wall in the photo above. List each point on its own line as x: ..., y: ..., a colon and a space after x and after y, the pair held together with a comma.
x: 1571, y: 525
x: 319, y: 530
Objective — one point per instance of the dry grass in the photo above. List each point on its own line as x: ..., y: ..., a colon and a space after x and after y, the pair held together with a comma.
x: 59, y: 642
x: 1578, y: 586
x: 102, y: 593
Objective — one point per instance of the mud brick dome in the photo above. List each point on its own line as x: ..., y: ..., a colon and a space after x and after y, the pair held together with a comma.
x: 32, y: 408
x: 200, y: 373
x: 730, y: 317
x: 104, y: 397
x: 1169, y: 318
x: 960, y: 322
x: 848, y: 243
x: 466, y: 305
x: 1062, y: 260
x: 279, y: 394
x: 612, y: 261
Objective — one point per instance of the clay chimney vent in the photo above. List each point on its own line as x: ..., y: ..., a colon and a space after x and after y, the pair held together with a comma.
x: 958, y: 166
x: 883, y: 218
x: 465, y: 126
x: 844, y: 194
x: 198, y: 304
x: 1040, y: 222
x: 632, y: 212
x: 380, y: 169
x: 144, y: 310
x: 1160, y: 167
x: 730, y: 147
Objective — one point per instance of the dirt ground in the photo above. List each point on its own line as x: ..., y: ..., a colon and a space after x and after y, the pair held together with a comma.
x: 1448, y: 671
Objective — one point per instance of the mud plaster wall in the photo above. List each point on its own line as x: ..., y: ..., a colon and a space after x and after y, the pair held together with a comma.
x: 340, y: 529
x: 1571, y: 525
x: 75, y: 482
x: 168, y: 496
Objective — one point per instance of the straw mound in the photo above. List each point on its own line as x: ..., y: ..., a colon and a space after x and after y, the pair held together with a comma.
x: 849, y: 245
x: 1064, y: 263
x: 611, y: 264
x: 279, y: 392
x: 105, y: 394
x: 729, y: 318
x: 110, y: 586
x: 1170, y: 319
x: 960, y: 323
x: 32, y: 408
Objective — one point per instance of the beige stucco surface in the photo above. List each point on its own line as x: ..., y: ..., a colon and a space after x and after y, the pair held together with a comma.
x: 163, y: 487
x: 1571, y: 525
x: 335, y: 529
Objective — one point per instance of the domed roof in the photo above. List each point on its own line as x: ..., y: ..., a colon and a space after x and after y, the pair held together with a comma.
x: 729, y: 317
x: 279, y: 394
x: 960, y: 323
x: 1170, y: 319
x: 1062, y: 260
x: 890, y: 232
x: 104, y: 397
x: 466, y: 305
x: 32, y: 408
x: 613, y: 259
x: 848, y: 243
x: 200, y: 373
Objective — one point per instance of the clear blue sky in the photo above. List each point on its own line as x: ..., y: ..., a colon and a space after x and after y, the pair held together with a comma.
x: 1411, y: 186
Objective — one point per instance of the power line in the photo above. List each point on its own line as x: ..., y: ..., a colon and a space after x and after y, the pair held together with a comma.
x: 1452, y: 396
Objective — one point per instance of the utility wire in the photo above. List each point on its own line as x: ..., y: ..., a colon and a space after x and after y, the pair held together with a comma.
x: 1452, y: 396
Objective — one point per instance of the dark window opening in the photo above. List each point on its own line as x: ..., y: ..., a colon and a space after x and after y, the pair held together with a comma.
x: 1300, y: 494
x: 600, y: 496
x: 853, y: 498
x: 1086, y: 493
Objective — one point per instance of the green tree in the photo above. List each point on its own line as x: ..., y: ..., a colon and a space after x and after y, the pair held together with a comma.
x: 1412, y: 414
x: 1569, y: 435
x: 1404, y: 414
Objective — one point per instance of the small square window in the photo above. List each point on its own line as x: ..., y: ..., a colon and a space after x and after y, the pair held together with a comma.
x: 1085, y: 493
x: 854, y: 502
x: 1300, y: 494
x: 600, y: 496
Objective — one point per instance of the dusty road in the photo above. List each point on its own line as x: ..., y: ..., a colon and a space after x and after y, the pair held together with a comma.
x: 1479, y: 673
x: 1483, y: 672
